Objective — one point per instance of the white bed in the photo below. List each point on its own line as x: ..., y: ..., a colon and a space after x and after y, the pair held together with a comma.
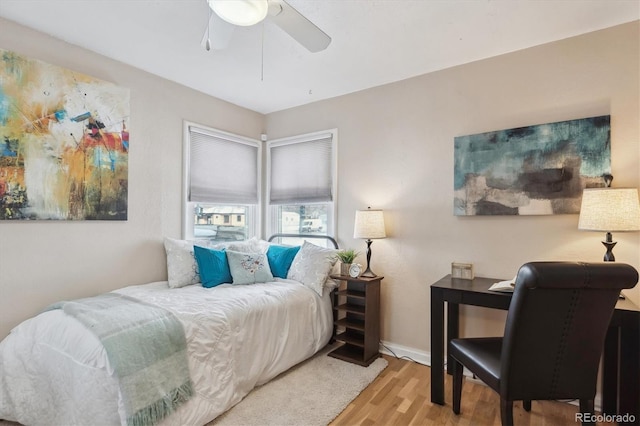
x: 53, y: 370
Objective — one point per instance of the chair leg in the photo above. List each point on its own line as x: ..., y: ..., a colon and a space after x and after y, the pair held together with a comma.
x: 458, y: 369
x: 586, y: 406
x: 526, y: 404
x: 506, y: 412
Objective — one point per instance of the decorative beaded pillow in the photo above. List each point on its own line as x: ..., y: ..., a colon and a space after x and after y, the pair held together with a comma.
x: 182, y: 268
x: 312, y: 265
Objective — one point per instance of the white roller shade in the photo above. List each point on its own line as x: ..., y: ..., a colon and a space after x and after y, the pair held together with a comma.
x: 302, y: 172
x: 222, y: 170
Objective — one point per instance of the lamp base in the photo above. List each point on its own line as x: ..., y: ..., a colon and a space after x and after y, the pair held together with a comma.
x: 609, y: 244
x: 368, y: 273
x: 608, y: 256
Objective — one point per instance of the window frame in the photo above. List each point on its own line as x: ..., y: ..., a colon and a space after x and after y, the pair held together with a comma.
x: 332, y: 225
x: 255, y: 229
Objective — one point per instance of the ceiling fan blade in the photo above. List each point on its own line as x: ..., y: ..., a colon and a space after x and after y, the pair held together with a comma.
x: 218, y: 33
x: 299, y: 27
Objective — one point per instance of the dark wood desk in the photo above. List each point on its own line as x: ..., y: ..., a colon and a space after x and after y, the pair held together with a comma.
x: 621, y: 356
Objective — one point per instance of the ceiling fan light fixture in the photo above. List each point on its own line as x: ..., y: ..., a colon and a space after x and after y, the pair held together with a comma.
x: 240, y: 12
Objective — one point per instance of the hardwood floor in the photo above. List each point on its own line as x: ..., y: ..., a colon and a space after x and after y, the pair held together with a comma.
x: 401, y: 396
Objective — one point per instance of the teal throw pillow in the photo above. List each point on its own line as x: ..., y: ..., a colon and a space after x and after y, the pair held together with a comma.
x: 213, y: 266
x: 249, y: 268
x: 280, y: 259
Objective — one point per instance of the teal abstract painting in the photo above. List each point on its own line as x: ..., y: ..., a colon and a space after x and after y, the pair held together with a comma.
x: 533, y: 170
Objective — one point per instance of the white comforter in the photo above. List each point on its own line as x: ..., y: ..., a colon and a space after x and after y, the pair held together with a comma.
x: 53, y: 371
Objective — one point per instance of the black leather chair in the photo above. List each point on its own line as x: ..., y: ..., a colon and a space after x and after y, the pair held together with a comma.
x: 553, y: 337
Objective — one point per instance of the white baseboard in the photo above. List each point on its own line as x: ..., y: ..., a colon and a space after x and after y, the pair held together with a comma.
x: 399, y: 351
x: 424, y: 358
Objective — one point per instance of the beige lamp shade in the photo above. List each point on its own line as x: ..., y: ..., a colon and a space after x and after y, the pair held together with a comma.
x: 610, y: 210
x: 369, y: 224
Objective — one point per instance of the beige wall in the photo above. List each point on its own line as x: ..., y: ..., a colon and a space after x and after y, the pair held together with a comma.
x: 396, y: 153
x: 42, y: 262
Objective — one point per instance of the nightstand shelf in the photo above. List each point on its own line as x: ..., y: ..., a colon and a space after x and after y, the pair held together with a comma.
x: 356, y: 314
x: 352, y: 293
x: 351, y: 338
x: 347, y: 307
x: 350, y: 323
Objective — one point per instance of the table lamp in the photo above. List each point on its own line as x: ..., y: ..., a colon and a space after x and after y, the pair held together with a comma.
x: 610, y: 210
x: 369, y: 225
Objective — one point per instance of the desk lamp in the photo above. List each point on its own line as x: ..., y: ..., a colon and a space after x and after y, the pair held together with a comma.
x: 610, y: 210
x: 369, y: 225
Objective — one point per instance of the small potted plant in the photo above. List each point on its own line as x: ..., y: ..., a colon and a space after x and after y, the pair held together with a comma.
x: 346, y: 258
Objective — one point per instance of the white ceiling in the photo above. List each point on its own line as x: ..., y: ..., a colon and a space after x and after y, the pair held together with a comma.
x: 373, y: 41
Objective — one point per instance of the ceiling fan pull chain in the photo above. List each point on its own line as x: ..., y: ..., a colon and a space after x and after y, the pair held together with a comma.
x: 208, y: 42
x: 262, y: 55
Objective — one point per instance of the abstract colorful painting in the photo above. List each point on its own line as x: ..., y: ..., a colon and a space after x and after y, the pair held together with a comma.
x: 64, y: 143
x: 532, y: 170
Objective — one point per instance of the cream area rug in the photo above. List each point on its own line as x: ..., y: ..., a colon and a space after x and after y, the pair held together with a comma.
x: 312, y: 393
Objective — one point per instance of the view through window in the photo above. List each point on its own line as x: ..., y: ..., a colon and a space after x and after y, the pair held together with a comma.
x: 222, y: 223
x: 304, y: 219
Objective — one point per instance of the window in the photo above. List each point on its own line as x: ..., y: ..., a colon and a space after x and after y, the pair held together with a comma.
x: 221, y: 185
x: 301, y: 173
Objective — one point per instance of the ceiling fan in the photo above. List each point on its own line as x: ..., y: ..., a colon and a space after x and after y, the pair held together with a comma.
x: 227, y: 14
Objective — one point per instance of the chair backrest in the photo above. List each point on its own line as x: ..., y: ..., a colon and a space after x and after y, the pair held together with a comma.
x: 555, y: 328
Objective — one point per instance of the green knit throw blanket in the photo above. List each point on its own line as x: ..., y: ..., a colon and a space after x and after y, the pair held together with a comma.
x: 147, y: 350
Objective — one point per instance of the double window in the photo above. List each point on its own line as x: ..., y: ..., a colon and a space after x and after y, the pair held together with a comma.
x: 222, y: 185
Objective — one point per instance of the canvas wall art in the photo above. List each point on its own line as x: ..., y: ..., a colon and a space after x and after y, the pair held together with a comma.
x: 533, y: 170
x: 64, y: 143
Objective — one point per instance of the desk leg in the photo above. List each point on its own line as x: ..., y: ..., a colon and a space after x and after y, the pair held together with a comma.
x: 610, y: 371
x: 453, y: 330
x: 629, y: 385
x: 437, y: 346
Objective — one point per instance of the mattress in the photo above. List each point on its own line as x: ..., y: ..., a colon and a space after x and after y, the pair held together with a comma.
x: 53, y: 370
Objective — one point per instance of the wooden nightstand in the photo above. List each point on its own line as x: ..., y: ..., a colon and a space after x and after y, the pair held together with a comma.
x: 356, y: 316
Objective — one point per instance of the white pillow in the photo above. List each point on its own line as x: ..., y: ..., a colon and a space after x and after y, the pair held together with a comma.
x: 252, y: 245
x: 312, y: 265
x: 182, y: 268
